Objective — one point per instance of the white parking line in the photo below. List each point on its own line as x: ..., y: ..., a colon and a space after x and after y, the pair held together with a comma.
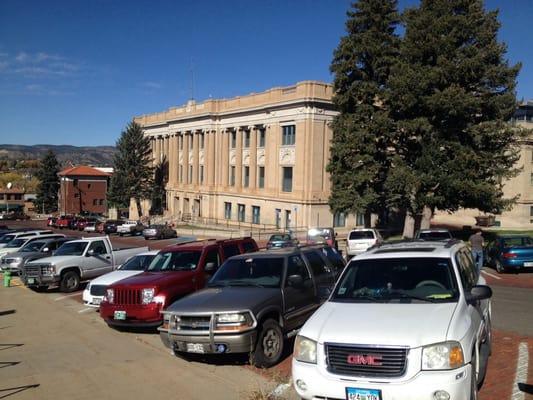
x: 521, y: 371
x: 86, y: 310
x: 67, y: 296
x: 491, y: 275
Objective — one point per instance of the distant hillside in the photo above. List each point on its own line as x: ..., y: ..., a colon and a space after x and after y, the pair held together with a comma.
x: 100, y: 156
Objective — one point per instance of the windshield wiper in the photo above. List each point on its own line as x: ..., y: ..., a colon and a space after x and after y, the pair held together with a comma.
x: 405, y: 295
x: 240, y: 283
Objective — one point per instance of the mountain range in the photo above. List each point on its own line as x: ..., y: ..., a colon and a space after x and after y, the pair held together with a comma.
x: 99, y: 156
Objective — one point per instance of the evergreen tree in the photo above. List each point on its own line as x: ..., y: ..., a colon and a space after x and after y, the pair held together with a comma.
x: 453, y: 94
x: 159, y: 198
x: 132, y: 175
x: 48, y: 187
x: 362, y: 132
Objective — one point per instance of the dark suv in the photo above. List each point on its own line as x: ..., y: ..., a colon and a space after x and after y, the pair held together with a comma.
x: 252, y: 303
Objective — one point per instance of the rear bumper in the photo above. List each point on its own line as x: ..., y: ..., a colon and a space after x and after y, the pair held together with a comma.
x: 516, y: 264
x: 237, y: 343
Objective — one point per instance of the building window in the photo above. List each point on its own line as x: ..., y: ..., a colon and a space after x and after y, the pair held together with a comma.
x: 261, y: 178
x: 241, y: 213
x: 256, y: 215
x: 201, y: 140
x: 18, y: 197
x: 181, y: 173
x: 339, y: 219
x: 531, y: 179
x: 95, y: 202
x: 88, y: 186
x: 190, y: 174
x: 101, y: 202
x: 246, y: 177
x: 246, y: 139
x: 288, y: 137
x: 286, y: 185
x: 232, y: 175
x: 227, y: 210
x: 201, y: 178
x: 262, y: 137
x: 360, y: 219
x: 233, y: 139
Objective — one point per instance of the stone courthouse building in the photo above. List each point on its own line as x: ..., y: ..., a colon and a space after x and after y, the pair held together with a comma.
x: 258, y: 158
x: 261, y: 159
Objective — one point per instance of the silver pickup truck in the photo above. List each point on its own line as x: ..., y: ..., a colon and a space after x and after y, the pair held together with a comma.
x: 74, y: 262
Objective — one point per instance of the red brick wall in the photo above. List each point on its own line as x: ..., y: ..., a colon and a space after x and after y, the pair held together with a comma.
x: 91, y: 190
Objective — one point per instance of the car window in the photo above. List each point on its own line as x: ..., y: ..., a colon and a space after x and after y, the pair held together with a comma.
x: 334, y: 257
x: 98, y: 247
x: 296, y: 266
x: 230, y: 250
x: 467, y: 269
x: 248, y: 246
x: 355, y: 235
x: 434, y: 235
x: 316, y: 262
x: 517, y: 241
x: 175, y: 261
x: 138, y: 263
x: 252, y: 271
x: 212, y: 256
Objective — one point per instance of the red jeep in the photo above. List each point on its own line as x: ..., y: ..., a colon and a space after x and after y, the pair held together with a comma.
x: 175, y: 272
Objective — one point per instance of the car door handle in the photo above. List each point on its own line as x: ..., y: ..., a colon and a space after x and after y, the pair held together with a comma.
x: 108, y: 257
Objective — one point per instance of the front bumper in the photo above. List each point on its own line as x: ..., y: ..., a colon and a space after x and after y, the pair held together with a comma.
x: 137, y: 316
x: 215, y: 344
x: 11, y: 267
x: 320, y: 384
x: 40, y: 280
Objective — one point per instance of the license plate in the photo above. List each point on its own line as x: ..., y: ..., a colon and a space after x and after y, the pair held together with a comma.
x: 195, y: 347
x: 31, y: 281
x: 120, y: 315
x: 362, y: 394
x: 528, y: 264
x: 97, y: 301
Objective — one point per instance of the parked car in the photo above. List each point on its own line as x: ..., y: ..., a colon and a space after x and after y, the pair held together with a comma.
x: 81, y: 223
x: 176, y: 271
x: 90, y: 227
x: 159, y: 232
x: 17, y: 243
x: 110, y: 226
x: 361, y: 239
x: 433, y: 234
x: 76, y: 261
x: 8, y: 237
x: 64, y: 221
x: 322, y: 235
x: 51, y: 222
x: 130, y: 228
x: 278, y: 241
x: 15, y: 215
x: 403, y: 322
x: 95, y: 290
x: 252, y: 303
x: 510, y: 253
x: 42, y: 246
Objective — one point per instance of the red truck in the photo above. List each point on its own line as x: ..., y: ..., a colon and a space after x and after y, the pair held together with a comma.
x: 175, y: 272
x: 63, y: 222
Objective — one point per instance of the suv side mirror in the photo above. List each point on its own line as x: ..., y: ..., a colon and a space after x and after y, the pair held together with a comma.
x: 209, y: 267
x: 90, y: 253
x: 478, y: 292
x: 296, y: 281
x: 45, y: 250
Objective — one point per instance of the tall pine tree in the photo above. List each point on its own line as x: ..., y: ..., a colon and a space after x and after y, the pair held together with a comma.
x: 453, y: 93
x: 362, y: 132
x: 133, y: 173
x: 48, y: 188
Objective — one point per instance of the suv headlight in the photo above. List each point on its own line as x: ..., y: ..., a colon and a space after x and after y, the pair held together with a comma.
x: 235, y: 322
x: 305, y: 349
x: 48, y: 270
x: 446, y: 355
x: 110, y: 296
x: 148, y: 295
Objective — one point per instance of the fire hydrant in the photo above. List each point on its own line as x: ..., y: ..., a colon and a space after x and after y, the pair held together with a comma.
x: 7, y: 278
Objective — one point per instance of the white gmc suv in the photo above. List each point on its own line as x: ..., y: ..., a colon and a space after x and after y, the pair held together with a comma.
x: 406, y: 321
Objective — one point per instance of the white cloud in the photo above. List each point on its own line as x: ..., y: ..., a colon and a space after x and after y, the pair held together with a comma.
x: 22, y: 57
x: 151, y: 85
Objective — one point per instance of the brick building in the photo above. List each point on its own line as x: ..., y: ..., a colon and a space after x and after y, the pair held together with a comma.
x: 11, y: 199
x: 83, y: 189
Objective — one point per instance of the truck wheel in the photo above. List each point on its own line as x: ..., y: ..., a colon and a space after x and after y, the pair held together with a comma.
x: 269, y: 346
x: 70, y: 282
x: 499, y: 267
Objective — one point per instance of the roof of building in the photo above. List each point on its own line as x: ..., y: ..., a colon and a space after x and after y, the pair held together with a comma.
x: 12, y: 191
x: 83, y: 170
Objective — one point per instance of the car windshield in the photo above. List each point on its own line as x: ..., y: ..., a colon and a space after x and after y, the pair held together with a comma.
x: 16, y: 243
x: 71, y: 249
x: 32, y: 246
x: 277, y: 238
x: 6, y: 238
x: 259, y: 271
x: 355, y: 235
x: 434, y: 235
x: 397, y: 280
x: 137, y: 263
x: 175, y: 261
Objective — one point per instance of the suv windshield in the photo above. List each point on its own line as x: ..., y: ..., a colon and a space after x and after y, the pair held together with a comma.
x: 32, y: 246
x: 71, y: 249
x: 137, y: 263
x: 397, y: 279
x: 175, y: 261
x: 262, y: 272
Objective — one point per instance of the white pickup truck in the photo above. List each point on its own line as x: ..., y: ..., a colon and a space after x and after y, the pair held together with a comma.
x: 76, y: 261
x: 130, y: 228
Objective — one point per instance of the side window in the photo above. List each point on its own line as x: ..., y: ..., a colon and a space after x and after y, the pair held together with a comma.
x: 317, y: 264
x: 296, y: 266
x: 230, y: 250
x: 248, y: 246
x: 52, y: 246
x: 98, y: 247
x: 468, y: 279
x: 334, y: 257
x: 212, y: 257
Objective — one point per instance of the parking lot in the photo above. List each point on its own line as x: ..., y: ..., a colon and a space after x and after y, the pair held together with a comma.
x: 54, y: 347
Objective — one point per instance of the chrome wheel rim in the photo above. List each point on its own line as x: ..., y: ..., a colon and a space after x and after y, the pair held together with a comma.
x: 271, y: 343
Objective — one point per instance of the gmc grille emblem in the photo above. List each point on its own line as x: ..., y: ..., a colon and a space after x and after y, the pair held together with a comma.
x: 361, y: 359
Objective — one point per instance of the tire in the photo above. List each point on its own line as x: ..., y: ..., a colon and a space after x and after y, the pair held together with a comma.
x: 70, y: 282
x: 269, y: 346
x: 499, y: 267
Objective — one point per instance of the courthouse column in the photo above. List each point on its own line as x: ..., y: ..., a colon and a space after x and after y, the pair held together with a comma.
x: 238, y: 157
x: 253, y: 157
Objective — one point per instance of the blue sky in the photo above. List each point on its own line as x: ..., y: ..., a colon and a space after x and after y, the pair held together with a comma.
x: 75, y: 72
